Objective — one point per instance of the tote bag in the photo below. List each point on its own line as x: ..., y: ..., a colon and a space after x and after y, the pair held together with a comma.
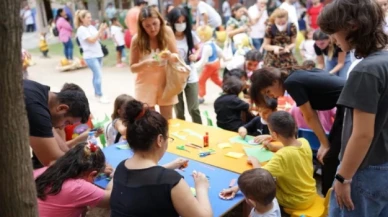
x: 176, y: 78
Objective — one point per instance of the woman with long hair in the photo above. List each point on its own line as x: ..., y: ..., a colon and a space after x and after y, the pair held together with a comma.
x: 89, y: 39
x: 65, y: 31
x: 187, y: 43
x: 143, y: 188
x: 312, y: 90
x: 66, y: 188
x: 279, y: 40
x: 330, y: 57
x: 152, y: 47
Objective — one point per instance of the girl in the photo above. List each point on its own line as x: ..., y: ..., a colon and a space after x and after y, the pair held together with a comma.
x: 187, y: 41
x: 238, y: 23
x: 279, y: 40
x: 66, y: 188
x: 153, y: 37
x: 141, y: 187
x: 89, y: 37
x: 329, y: 56
x: 115, y: 131
x: 311, y: 90
x: 118, y: 38
x: 307, y: 46
x: 65, y: 31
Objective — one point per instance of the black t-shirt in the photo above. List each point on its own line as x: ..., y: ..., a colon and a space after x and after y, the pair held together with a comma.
x: 367, y: 90
x: 143, y: 192
x: 228, y: 109
x: 325, y: 51
x: 38, y: 113
x: 318, y: 87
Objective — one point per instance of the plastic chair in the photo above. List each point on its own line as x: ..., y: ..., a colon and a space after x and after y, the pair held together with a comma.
x: 310, y: 136
x: 320, y: 208
x: 208, y: 119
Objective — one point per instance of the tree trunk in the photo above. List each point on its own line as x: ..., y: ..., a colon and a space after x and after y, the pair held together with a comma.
x: 17, y: 188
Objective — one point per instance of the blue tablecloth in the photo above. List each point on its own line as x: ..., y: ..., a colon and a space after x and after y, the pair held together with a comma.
x: 218, y: 178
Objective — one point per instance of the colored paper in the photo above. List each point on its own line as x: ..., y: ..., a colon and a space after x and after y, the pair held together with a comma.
x: 224, y: 145
x: 123, y: 147
x: 193, y: 191
x: 259, y: 152
x: 193, y: 133
x: 176, y: 134
x: 238, y: 139
x: 234, y: 154
x: 100, y: 123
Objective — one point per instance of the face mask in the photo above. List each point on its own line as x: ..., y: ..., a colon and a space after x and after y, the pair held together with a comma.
x: 281, y: 28
x: 263, y: 121
x: 180, y: 27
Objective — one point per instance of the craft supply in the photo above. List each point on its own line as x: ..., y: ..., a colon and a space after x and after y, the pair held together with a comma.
x: 234, y: 155
x: 240, y: 140
x: 232, y: 183
x: 182, y: 148
x: 206, y: 153
x: 123, y: 147
x: 192, y: 145
x: 259, y: 152
x: 224, y: 145
x: 206, y: 140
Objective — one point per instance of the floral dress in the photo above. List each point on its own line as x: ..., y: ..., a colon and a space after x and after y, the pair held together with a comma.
x: 283, y: 39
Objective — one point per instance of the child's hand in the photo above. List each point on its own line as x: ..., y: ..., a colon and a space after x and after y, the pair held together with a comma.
x: 99, y: 132
x: 108, y: 169
x: 227, y: 194
x: 262, y: 138
x: 242, y: 131
x: 253, y: 161
x: 200, y: 180
x: 267, y: 145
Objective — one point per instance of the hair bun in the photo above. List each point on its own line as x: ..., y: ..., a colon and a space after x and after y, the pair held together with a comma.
x: 133, y: 110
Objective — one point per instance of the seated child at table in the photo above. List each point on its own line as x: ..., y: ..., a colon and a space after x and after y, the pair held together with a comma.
x: 291, y: 165
x: 66, y: 188
x: 326, y: 118
x: 259, y: 189
x: 242, y: 75
x: 116, y: 129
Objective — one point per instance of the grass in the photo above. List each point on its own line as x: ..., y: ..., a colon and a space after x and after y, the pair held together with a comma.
x: 57, y: 50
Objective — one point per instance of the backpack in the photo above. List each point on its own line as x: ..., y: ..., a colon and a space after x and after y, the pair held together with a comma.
x: 55, y: 31
x: 275, y: 30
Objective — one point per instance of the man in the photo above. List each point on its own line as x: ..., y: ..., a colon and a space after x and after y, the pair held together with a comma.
x: 259, y: 15
x: 226, y: 11
x: 110, y: 11
x: 133, y: 15
x: 46, y: 111
x: 206, y: 15
x: 288, y: 5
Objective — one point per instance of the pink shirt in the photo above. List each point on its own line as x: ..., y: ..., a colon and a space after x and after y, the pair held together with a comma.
x: 64, y: 28
x: 72, y: 200
x: 326, y: 118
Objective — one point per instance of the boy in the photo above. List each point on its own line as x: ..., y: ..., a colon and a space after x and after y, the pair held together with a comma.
x: 43, y: 45
x: 362, y: 177
x: 118, y: 38
x: 291, y: 165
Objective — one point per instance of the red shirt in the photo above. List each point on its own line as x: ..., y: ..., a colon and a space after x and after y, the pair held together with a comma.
x: 313, y: 13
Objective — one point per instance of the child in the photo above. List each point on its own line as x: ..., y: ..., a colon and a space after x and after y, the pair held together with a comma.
x: 115, y: 131
x: 210, y: 62
x: 242, y: 75
x: 307, y: 46
x: 291, y: 165
x: 325, y: 117
x: 26, y: 60
x: 118, y: 38
x: 259, y: 189
x: 229, y: 106
x: 309, y: 64
x: 43, y: 45
x: 66, y: 188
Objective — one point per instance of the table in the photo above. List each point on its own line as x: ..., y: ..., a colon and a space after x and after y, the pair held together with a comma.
x: 218, y: 178
x: 216, y: 136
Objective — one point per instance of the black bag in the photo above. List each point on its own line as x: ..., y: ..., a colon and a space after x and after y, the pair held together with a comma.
x: 104, y: 49
x: 55, y: 31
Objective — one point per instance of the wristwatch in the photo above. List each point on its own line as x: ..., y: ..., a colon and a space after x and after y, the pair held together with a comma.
x: 342, y: 179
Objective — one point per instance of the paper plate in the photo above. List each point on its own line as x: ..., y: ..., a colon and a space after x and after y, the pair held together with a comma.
x: 252, y: 142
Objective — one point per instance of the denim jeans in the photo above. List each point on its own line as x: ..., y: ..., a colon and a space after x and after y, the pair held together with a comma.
x: 257, y: 42
x: 330, y: 64
x: 369, y: 194
x: 95, y: 64
x: 68, y: 49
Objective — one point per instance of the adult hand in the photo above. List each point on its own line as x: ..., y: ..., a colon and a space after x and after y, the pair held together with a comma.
x: 200, y: 180
x: 103, y: 27
x: 227, y: 194
x: 343, y: 196
x: 277, y: 50
x: 193, y: 57
x: 242, y: 131
x: 285, y: 50
x: 178, y: 163
x: 108, y: 170
x: 322, y: 151
x: 165, y: 55
x: 151, y: 63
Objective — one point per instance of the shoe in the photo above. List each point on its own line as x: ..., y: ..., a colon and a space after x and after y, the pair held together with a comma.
x: 120, y: 65
x: 102, y: 100
x: 201, y: 100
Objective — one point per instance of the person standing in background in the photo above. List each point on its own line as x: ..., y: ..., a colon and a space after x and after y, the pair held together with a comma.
x: 69, y: 12
x: 206, y: 15
x: 259, y: 15
x: 313, y: 13
x: 110, y: 11
x: 289, y: 6
x: 28, y: 19
x: 65, y: 31
x: 133, y: 15
x: 226, y: 11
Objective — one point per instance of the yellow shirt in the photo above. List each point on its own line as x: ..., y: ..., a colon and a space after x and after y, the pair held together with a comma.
x: 43, y: 44
x: 293, y: 168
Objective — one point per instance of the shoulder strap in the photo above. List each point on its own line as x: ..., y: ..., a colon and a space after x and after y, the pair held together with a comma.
x: 289, y: 29
x: 274, y: 30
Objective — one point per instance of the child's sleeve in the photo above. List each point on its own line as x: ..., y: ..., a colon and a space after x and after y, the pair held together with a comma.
x: 206, y: 53
x: 275, y: 165
x: 240, y: 105
x: 220, y: 53
x: 87, y: 194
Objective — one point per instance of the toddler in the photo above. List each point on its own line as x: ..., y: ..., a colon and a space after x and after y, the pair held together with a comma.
x: 43, y: 45
x: 307, y: 46
x: 118, y: 38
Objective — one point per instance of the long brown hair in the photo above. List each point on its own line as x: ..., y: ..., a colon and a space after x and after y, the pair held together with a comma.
x: 119, y: 101
x: 319, y: 35
x: 278, y: 13
x: 79, y: 15
x: 362, y: 20
x: 142, y: 41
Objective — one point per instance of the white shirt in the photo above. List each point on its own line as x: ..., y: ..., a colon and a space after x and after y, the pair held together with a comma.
x: 308, y: 47
x: 274, y: 212
x: 207, y: 51
x: 118, y: 35
x: 214, y: 19
x: 183, y: 49
x: 91, y: 50
x: 226, y: 9
x: 258, y: 29
x: 351, y: 67
x: 292, y: 15
x: 27, y: 16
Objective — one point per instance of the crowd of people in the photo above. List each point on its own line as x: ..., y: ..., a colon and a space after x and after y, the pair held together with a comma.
x: 344, y: 102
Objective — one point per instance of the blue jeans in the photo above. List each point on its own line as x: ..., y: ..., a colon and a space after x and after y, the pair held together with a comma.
x: 95, y: 64
x: 369, y: 194
x: 330, y: 64
x: 68, y: 49
x: 257, y: 42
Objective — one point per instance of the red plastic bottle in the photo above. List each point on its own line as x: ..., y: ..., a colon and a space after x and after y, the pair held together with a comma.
x: 206, y: 140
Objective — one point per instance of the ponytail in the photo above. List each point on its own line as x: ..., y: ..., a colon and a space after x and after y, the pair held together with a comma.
x: 80, y: 14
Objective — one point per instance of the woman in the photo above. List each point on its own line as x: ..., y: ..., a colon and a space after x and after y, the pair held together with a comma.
x: 152, y: 38
x: 187, y: 42
x: 249, y: 63
x: 65, y: 31
x: 140, y: 186
x: 89, y: 37
x: 238, y: 23
x: 329, y: 56
x: 311, y: 90
x: 279, y: 40
x: 259, y: 15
